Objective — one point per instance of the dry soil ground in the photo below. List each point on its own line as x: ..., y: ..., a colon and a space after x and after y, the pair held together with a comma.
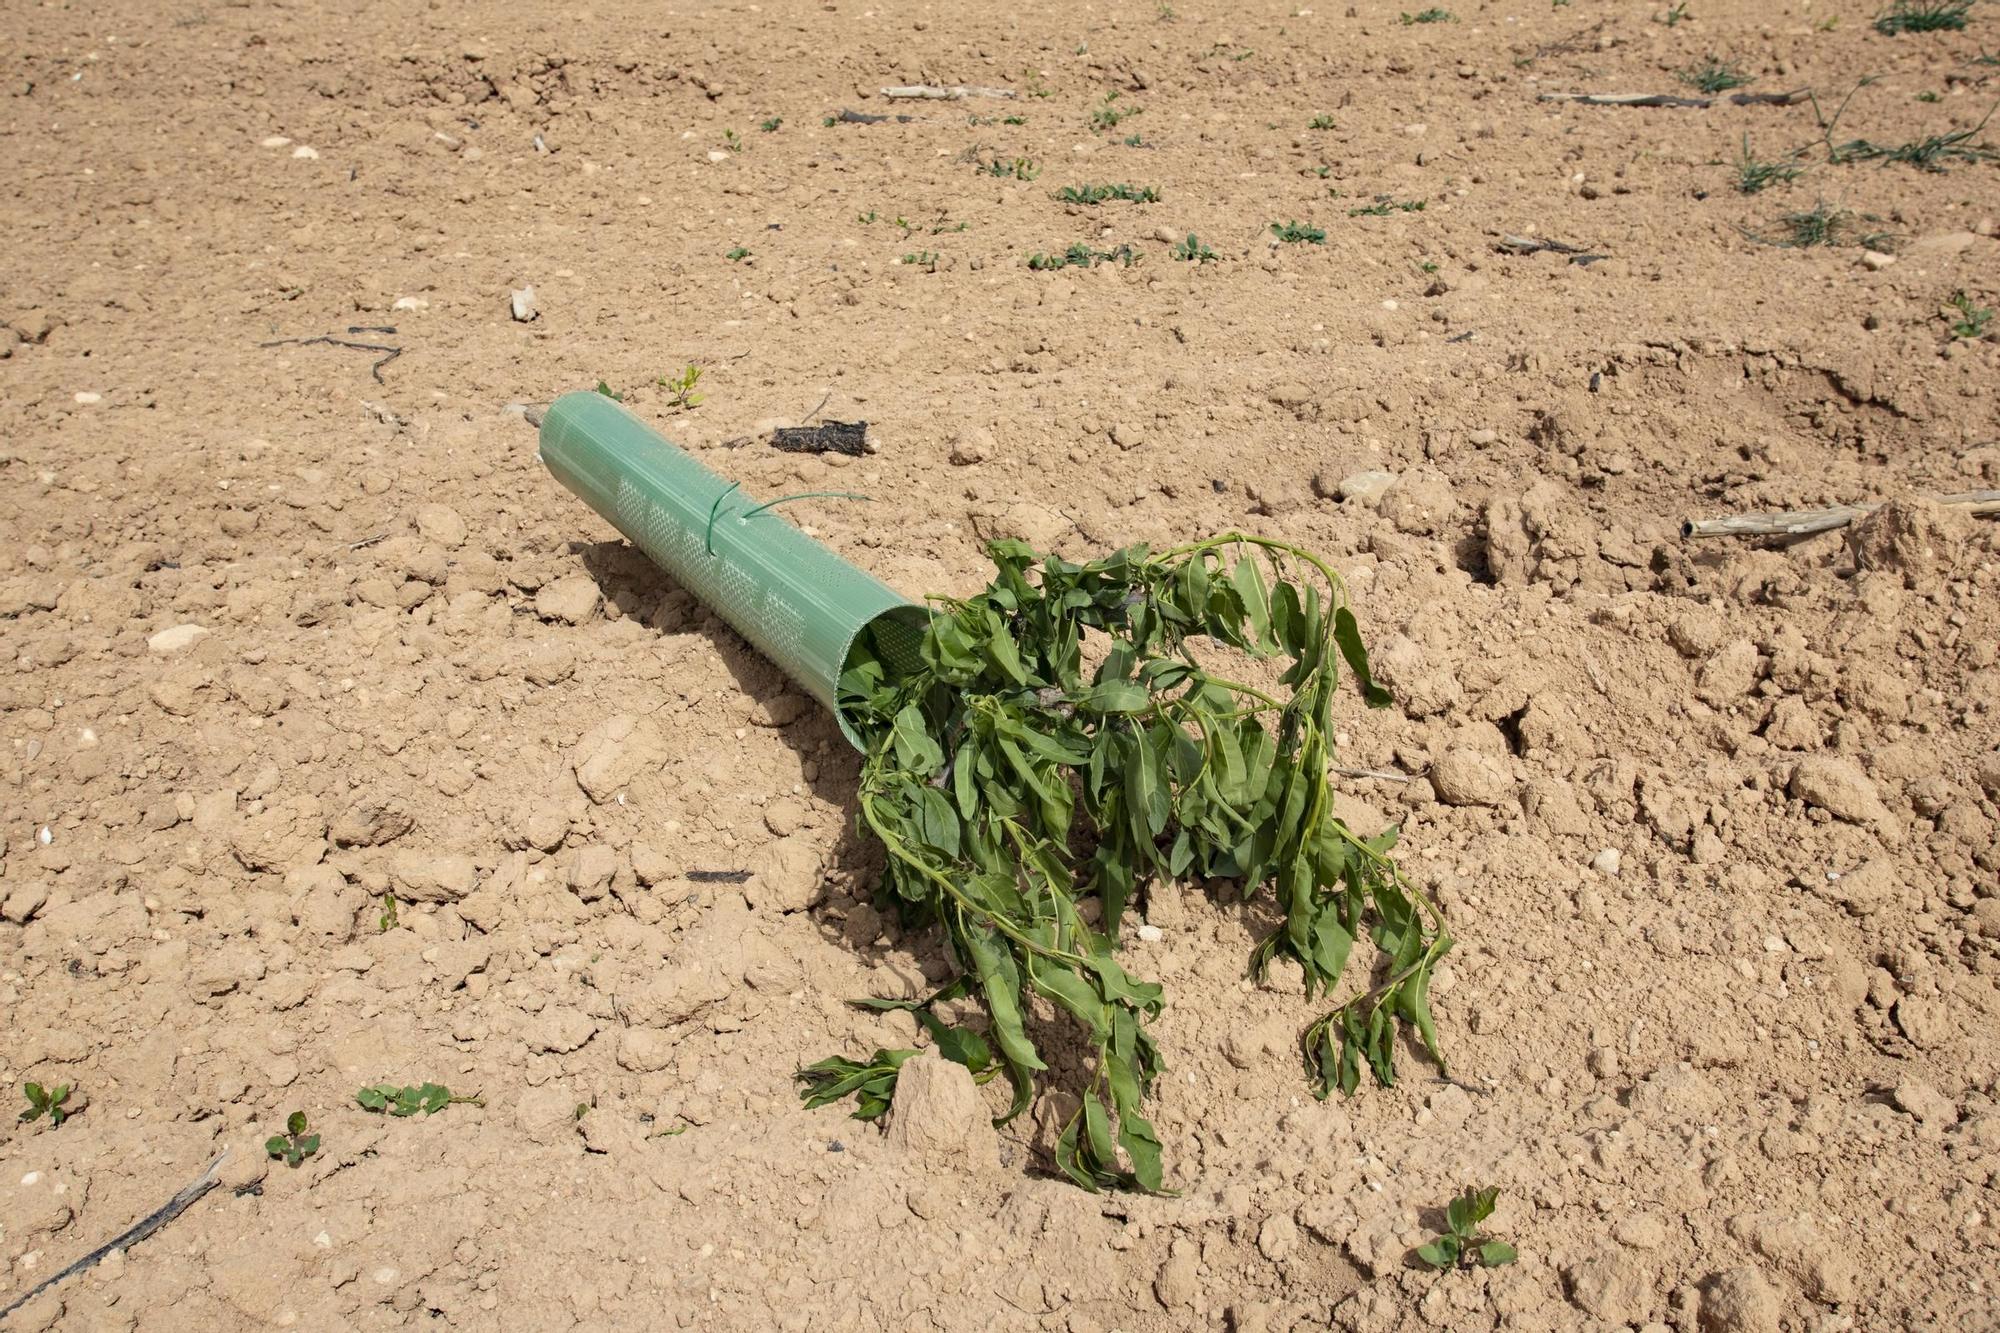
x: 1715, y: 822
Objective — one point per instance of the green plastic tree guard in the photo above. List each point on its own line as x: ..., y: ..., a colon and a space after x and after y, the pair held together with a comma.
x: 801, y: 605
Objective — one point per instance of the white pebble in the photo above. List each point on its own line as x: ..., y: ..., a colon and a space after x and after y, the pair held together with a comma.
x: 1152, y: 934
x: 1606, y: 862
x: 275, y: 141
x: 303, y: 151
x: 45, y: 835
x: 87, y: 398
x: 412, y: 303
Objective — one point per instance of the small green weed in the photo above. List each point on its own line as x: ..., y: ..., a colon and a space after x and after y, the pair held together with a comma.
x: 1036, y: 88
x: 294, y: 1145
x: 1384, y: 206
x: 1928, y: 96
x: 771, y: 126
x: 388, y: 921
x: 1429, y: 16
x: 1923, y: 16
x: 736, y: 254
x: 1166, y: 14
x: 1013, y: 120
x: 1753, y: 174
x: 1097, y: 194
x: 1192, y: 251
x: 731, y: 142
x: 1133, y: 141
x: 681, y: 387
x: 1019, y: 168
x: 1321, y: 122
x: 1712, y: 76
x: 924, y: 259
x: 1080, y: 255
x: 1110, y: 115
x: 1674, y: 17
x: 430, y: 1098
x: 1967, y: 320
x: 1292, y: 233
x: 1824, y: 224
x: 45, y: 1102
x: 1463, y: 1244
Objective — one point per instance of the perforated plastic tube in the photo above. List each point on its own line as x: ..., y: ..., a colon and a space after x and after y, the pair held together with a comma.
x: 801, y: 605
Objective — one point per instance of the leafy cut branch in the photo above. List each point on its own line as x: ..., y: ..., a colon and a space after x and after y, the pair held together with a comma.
x: 1012, y: 784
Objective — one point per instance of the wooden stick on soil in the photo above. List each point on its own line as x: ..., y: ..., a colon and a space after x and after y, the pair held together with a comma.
x: 1802, y: 522
x: 956, y: 92
x: 1626, y: 99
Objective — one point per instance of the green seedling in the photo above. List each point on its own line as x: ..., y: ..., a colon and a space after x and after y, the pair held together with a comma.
x: 1712, y: 77
x: 731, y: 142
x: 1193, y: 251
x: 1133, y: 141
x: 389, y: 905
x: 1428, y: 16
x: 736, y: 254
x: 1463, y: 1244
x: 1097, y: 194
x: 1013, y: 120
x: 1928, y: 95
x: 1166, y: 14
x: 1292, y: 233
x: 1036, y: 88
x: 430, y: 1098
x: 1823, y: 224
x: 771, y: 126
x: 1321, y: 122
x: 1923, y: 16
x: 925, y: 259
x: 45, y: 1102
x: 829, y: 121
x: 681, y: 389
x: 1018, y: 168
x: 1080, y: 255
x: 868, y: 217
x: 1753, y: 174
x: 1110, y: 114
x: 1967, y: 320
x: 294, y: 1145
x: 1384, y: 206
x: 387, y: 920
x: 1675, y: 16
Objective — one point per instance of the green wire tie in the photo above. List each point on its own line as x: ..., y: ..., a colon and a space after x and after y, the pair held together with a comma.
x: 715, y: 509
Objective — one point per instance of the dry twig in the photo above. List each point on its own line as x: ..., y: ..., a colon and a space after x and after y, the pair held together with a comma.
x: 1804, y: 522
x: 955, y: 93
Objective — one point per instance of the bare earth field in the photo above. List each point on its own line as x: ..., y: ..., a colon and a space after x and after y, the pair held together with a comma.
x: 1714, y: 821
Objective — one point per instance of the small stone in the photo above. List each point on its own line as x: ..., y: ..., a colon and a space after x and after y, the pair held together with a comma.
x: 1612, y: 1285
x: 645, y: 1050
x: 939, y: 1114
x: 304, y: 152
x: 1422, y: 687
x: 1365, y: 488
x: 370, y: 824
x: 974, y: 446
x: 558, y: 1030
x: 572, y: 600
x: 1036, y: 524
x: 177, y: 639
x: 1929, y: 1106
x: 1842, y: 790
x: 411, y: 303
x: 1420, y: 503
x: 651, y: 865
x: 23, y: 902
x: 1641, y: 1231
x: 1179, y: 1279
x: 1607, y: 861
x: 1127, y: 436
x: 433, y: 878
x: 1928, y: 1023
x: 1278, y: 1237
x: 1151, y: 934
x: 1729, y: 674
x: 441, y: 524
x: 1866, y: 889
x: 591, y: 870
x: 1876, y: 260
x: 784, y: 816
x: 786, y: 875
x: 1483, y: 437
x: 1466, y: 776
x: 521, y: 305
x: 1740, y: 1301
